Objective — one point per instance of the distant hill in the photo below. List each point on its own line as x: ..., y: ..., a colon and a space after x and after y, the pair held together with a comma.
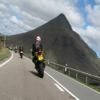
x: 61, y: 43
x: 1, y: 40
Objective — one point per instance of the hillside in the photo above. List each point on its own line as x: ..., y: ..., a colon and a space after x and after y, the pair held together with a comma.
x: 61, y: 43
x: 1, y: 41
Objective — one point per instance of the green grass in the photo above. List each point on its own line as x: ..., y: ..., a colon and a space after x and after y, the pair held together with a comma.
x: 81, y: 79
x: 93, y: 86
x: 97, y: 88
x: 4, y: 53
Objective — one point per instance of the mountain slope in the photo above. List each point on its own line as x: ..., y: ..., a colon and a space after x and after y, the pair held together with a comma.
x: 61, y: 43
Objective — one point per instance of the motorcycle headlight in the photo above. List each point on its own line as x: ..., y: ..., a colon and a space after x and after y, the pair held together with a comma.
x: 40, y: 58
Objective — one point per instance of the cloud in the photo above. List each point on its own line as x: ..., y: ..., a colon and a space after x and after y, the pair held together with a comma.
x: 91, y: 35
x: 21, y: 15
x: 19, y: 23
x: 1, y: 15
x: 34, y: 13
x: 2, y: 6
x: 48, y: 9
x: 14, y: 19
x: 97, y: 2
x: 94, y: 15
x: 32, y: 20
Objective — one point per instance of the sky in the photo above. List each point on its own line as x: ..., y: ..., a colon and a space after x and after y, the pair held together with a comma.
x: 18, y: 16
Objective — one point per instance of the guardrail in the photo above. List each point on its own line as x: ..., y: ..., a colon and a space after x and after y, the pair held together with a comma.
x: 77, y: 74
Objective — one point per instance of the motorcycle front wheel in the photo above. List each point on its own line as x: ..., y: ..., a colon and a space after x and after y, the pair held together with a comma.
x: 41, y: 70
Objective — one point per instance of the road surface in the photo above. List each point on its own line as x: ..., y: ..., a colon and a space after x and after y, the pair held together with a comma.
x: 19, y: 81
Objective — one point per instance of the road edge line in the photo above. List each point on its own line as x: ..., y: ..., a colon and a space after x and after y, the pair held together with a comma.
x: 80, y: 83
x: 62, y: 86
x: 4, y: 63
x: 59, y: 87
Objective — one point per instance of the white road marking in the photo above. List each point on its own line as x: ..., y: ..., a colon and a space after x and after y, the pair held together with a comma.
x: 80, y: 83
x: 63, y: 86
x: 84, y: 85
x: 1, y: 65
x: 59, y: 87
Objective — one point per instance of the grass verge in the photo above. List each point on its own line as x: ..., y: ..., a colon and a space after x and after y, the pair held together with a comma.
x: 93, y: 86
x: 4, y: 53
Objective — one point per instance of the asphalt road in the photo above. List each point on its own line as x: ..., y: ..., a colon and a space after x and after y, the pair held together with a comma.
x: 19, y: 81
x: 81, y: 91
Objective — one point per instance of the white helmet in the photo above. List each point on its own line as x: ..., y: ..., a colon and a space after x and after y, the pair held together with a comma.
x: 38, y: 38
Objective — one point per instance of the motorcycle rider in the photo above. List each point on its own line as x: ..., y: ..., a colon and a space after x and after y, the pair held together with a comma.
x: 21, y: 52
x: 37, y: 45
x: 20, y: 49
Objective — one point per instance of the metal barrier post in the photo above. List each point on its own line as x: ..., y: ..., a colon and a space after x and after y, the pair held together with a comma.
x: 65, y: 69
x: 69, y: 72
x: 76, y: 75
x: 69, y: 69
x: 86, y: 80
x: 48, y: 62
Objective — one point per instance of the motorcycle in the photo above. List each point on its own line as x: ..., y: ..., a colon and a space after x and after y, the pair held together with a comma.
x: 21, y: 54
x: 40, y: 65
x: 15, y: 50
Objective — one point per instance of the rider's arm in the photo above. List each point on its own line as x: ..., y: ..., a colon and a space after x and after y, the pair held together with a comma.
x: 33, y: 50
